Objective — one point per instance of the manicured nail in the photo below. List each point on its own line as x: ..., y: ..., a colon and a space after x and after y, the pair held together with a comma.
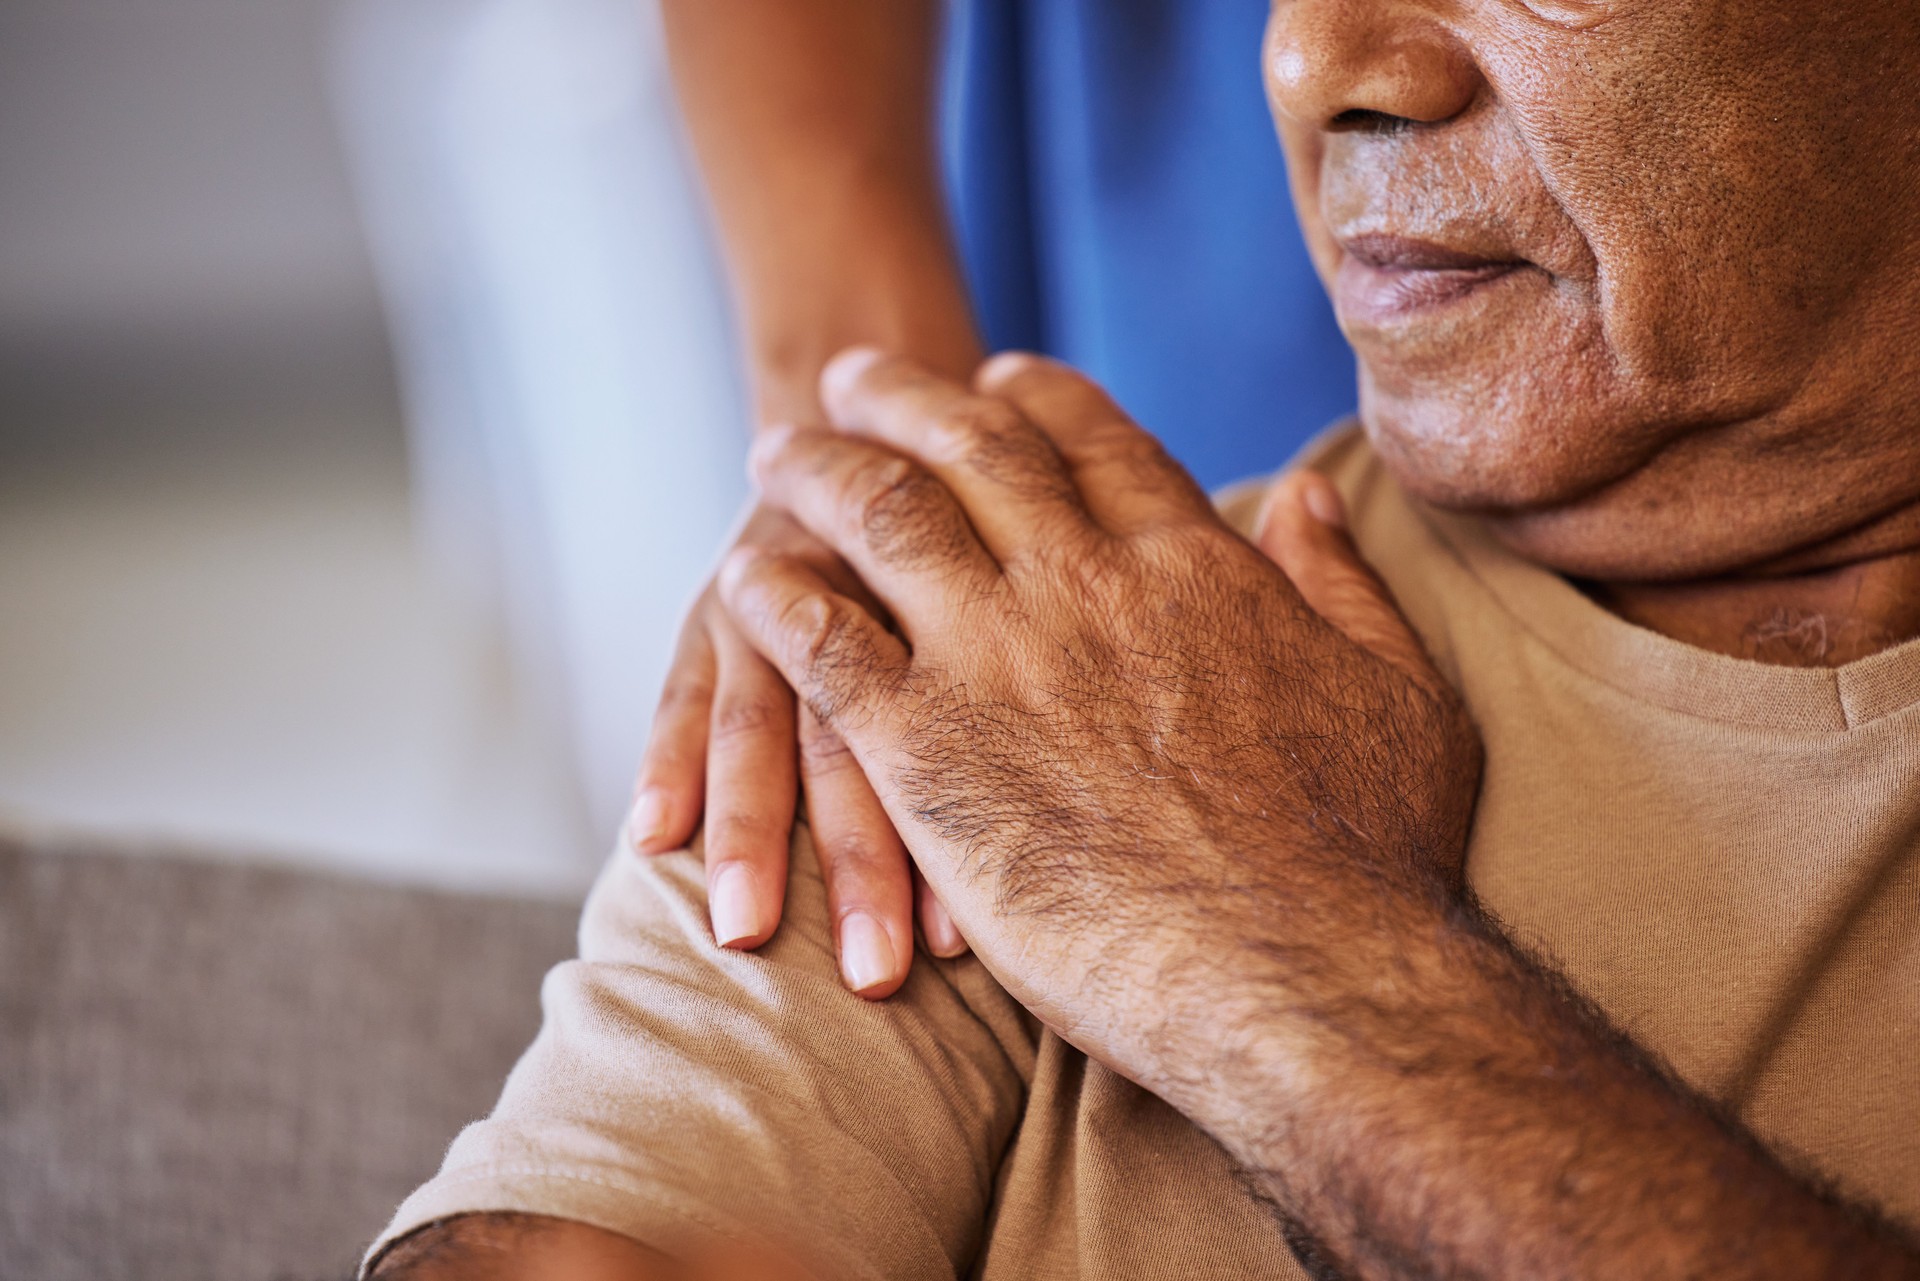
x: 866, y: 952
x: 1323, y: 501
x: 647, y: 820
x: 943, y: 936
x: 730, y: 900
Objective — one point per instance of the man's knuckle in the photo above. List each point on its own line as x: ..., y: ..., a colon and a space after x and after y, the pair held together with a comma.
x: 902, y: 513
x: 831, y: 639
x: 1002, y: 447
x: 974, y: 426
x: 839, y: 643
x: 881, y: 489
x: 1132, y: 447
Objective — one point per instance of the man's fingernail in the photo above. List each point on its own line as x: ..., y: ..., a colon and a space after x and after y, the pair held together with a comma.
x: 867, y: 959
x: 1006, y: 365
x: 845, y: 369
x: 730, y: 899
x: 647, y: 820
x: 1323, y: 501
x: 767, y: 444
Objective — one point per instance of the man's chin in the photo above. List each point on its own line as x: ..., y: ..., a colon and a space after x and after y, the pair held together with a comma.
x: 1489, y: 459
x: 1573, y: 501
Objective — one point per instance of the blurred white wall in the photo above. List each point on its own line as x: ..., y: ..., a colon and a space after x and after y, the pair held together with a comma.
x: 213, y: 621
x: 176, y: 229
x: 579, y: 429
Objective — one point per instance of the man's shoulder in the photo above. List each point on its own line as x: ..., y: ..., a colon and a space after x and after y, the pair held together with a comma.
x: 682, y: 1092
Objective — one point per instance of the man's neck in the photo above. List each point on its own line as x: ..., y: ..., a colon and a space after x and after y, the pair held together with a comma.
x: 1846, y: 599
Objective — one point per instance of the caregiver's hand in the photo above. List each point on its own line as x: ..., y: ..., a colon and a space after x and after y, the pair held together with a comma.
x: 1146, y: 769
x: 723, y: 745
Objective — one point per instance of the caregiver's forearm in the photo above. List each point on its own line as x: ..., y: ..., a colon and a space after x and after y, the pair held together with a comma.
x: 814, y: 127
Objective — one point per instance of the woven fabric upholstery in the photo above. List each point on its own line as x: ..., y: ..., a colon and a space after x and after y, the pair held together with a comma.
x: 211, y: 1070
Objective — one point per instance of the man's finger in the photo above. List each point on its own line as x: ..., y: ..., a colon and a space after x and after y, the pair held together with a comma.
x: 868, y: 874
x: 830, y: 649
x: 753, y: 786
x: 1007, y: 475
x: 671, y: 782
x: 885, y: 514
x: 943, y: 937
x: 1302, y: 528
x: 1124, y: 477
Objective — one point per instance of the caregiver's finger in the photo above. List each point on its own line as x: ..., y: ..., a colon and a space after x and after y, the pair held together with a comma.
x: 885, y: 514
x: 752, y: 789
x: 1125, y: 478
x: 671, y: 782
x: 1007, y: 475
x: 868, y: 875
x: 832, y: 651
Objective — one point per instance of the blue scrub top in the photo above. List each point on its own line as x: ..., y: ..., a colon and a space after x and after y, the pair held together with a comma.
x: 1120, y: 201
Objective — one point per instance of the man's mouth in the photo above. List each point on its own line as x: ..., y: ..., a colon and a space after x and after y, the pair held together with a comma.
x: 1385, y: 279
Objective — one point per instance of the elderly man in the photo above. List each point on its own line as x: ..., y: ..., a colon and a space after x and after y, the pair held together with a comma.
x: 1271, y: 974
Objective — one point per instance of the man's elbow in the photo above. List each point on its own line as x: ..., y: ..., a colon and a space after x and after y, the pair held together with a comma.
x: 505, y: 1246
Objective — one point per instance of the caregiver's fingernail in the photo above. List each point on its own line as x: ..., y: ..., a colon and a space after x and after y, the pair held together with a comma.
x: 1323, y: 501
x: 730, y: 899
x: 867, y: 958
x: 647, y: 820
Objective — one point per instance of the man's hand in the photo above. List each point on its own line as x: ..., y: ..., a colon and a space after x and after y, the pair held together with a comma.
x: 1205, y: 817
x: 1109, y: 723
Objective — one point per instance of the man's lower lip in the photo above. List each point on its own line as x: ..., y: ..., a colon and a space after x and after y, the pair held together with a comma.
x: 1371, y: 295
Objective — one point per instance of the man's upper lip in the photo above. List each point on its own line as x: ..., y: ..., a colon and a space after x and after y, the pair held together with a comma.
x: 1386, y: 252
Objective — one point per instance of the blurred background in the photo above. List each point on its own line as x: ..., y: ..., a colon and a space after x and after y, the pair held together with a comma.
x: 367, y: 419
x: 369, y: 415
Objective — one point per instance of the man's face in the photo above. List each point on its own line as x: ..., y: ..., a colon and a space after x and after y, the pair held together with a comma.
x: 1639, y: 278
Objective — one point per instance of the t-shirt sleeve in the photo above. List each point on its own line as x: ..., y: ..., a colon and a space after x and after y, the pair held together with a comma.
x: 679, y: 1093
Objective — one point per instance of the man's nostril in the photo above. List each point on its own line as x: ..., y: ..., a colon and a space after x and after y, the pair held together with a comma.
x: 1361, y: 120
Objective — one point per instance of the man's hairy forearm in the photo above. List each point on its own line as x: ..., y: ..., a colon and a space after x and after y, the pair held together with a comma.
x: 1434, y: 1103
x: 814, y: 126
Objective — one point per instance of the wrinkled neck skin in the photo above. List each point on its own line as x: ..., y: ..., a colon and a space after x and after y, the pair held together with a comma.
x: 1826, y: 606
x: 1815, y: 548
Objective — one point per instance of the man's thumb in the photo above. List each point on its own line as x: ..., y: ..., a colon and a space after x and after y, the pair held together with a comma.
x: 1302, y: 528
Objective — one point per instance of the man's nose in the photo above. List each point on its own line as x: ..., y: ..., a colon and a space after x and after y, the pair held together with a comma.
x: 1331, y: 63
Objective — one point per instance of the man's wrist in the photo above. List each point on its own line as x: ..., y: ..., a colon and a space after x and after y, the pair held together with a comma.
x: 1296, y: 1000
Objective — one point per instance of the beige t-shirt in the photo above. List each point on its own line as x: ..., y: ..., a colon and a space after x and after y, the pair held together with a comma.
x: 1725, y: 855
